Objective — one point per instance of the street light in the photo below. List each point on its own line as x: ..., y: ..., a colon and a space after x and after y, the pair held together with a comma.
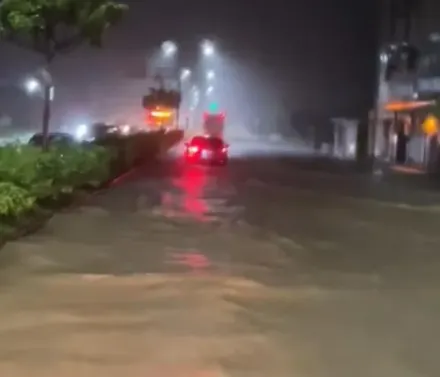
x: 169, y: 48
x: 210, y: 75
x: 195, y: 91
x: 209, y: 90
x: 208, y: 48
x: 32, y: 86
x: 185, y: 74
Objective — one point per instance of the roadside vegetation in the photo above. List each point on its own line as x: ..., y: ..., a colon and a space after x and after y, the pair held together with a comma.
x: 33, y: 182
x: 52, y: 28
x: 36, y: 182
x: 31, y: 179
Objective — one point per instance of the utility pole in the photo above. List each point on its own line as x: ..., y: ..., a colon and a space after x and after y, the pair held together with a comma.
x: 178, y: 106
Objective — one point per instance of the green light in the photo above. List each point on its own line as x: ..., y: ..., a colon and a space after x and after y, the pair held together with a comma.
x: 213, y: 107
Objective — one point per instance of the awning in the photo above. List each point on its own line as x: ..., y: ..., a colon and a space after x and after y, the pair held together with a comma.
x: 396, y: 106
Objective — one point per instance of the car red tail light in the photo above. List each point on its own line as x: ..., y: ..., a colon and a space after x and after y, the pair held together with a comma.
x: 193, y: 149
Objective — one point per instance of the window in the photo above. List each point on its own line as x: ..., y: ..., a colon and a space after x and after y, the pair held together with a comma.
x: 215, y: 142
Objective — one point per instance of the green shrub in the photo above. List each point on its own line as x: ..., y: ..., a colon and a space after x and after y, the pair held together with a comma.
x: 59, y: 170
x: 14, y: 200
x: 72, y: 167
x: 20, y: 165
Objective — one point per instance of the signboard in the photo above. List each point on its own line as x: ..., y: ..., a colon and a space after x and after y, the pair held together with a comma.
x: 160, y: 117
x: 429, y: 85
x: 162, y: 98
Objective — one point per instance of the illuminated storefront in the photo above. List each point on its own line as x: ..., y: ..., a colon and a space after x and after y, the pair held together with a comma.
x: 405, y: 126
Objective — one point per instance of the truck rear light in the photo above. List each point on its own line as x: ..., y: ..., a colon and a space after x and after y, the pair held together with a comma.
x: 193, y: 149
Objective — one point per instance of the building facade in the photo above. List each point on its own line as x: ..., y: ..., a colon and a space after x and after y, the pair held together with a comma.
x: 408, y: 82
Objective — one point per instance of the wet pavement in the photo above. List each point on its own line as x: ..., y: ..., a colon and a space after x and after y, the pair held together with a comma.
x: 270, y: 266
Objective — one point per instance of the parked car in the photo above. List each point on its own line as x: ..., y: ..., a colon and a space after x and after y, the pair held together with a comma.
x: 55, y: 138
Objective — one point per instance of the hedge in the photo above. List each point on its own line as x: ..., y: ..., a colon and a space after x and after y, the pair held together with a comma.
x: 30, y: 178
x: 138, y: 149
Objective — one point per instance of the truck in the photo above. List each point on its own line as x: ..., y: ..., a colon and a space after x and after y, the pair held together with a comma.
x: 162, y: 108
x: 214, y: 124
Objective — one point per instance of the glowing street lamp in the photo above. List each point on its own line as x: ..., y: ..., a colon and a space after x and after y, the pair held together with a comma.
x: 32, y: 86
x: 208, y: 48
x: 209, y: 90
x: 169, y: 48
x: 185, y: 74
x: 196, y: 98
x: 210, y: 75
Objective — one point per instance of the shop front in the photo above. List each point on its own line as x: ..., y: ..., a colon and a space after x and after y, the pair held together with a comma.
x: 410, y: 134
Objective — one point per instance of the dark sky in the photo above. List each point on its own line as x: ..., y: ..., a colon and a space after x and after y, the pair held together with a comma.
x: 320, y: 51
x: 323, y: 49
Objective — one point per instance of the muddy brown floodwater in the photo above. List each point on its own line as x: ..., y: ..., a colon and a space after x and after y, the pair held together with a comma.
x: 258, y: 269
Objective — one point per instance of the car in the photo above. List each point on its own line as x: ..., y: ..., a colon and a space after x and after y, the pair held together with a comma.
x: 209, y: 149
x: 55, y: 138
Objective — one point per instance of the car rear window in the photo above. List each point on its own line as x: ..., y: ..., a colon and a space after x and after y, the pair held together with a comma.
x: 213, y: 142
x: 200, y: 141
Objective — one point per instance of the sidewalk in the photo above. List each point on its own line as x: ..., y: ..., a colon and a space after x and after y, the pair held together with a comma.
x: 408, y: 186
x: 410, y: 176
x: 414, y: 177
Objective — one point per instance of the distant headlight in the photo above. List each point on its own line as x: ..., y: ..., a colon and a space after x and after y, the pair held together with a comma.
x: 125, y: 129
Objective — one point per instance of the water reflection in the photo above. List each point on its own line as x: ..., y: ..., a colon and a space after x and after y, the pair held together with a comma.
x: 192, y: 259
x: 193, y: 184
x: 186, y: 197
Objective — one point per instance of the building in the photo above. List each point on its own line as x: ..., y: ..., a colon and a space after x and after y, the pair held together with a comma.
x: 408, y: 83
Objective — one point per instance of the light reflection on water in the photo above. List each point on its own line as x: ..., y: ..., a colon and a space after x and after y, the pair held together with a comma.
x: 194, y: 260
x: 188, y: 195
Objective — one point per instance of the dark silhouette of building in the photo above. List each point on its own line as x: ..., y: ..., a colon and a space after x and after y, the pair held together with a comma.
x: 409, y: 80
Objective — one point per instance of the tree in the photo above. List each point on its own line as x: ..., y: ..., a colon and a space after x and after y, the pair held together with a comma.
x: 54, y: 27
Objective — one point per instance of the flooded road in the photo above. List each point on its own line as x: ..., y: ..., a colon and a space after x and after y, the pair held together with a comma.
x: 270, y: 266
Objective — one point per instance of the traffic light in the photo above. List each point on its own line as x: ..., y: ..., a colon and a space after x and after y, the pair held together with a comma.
x: 213, y: 107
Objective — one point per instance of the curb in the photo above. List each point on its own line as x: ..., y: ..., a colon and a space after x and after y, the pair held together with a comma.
x: 120, y: 178
x: 38, y: 222
x: 115, y: 181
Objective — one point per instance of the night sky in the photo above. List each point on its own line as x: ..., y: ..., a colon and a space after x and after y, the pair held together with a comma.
x: 323, y: 49
x: 321, y: 52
